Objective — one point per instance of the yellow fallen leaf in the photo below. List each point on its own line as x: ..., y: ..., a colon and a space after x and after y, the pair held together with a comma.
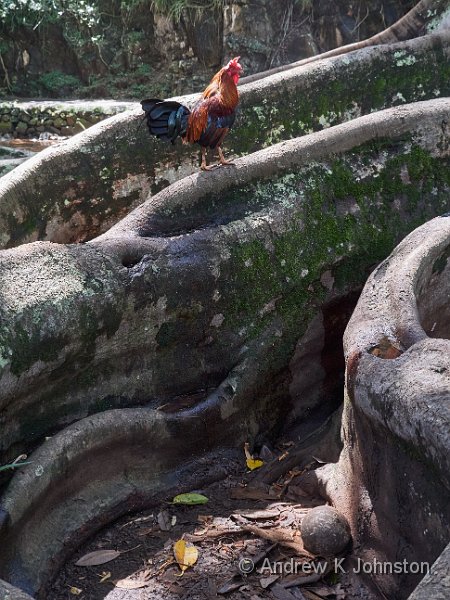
x: 186, y: 554
x: 254, y: 463
x: 104, y: 576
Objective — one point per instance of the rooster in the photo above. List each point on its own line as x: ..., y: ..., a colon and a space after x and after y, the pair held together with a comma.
x: 209, y: 121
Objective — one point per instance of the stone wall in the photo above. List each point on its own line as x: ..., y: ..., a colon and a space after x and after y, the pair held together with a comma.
x: 31, y: 119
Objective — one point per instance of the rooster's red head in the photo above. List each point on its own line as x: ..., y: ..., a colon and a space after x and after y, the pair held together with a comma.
x: 234, y: 69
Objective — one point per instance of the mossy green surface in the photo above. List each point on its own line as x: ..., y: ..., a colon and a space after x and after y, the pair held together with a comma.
x: 325, y: 99
x: 391, y: 189
x: 344, y: 217
x: 53, y: 310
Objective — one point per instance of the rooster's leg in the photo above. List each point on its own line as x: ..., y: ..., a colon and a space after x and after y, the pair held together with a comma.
x: 204, y: 166
x: 223, y: 160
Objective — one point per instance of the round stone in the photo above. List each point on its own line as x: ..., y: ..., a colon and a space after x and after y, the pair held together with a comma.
x: 325, y: 531
x: 21, y: 127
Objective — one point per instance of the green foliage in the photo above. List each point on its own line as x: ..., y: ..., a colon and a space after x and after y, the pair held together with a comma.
x: 143, y: 82
x: 144, y: 69
x: 55, y: 82
x: 175, y: 8
x: 33, y: 13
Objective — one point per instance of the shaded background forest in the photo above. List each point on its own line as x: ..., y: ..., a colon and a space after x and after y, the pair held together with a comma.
x: 135, y: 48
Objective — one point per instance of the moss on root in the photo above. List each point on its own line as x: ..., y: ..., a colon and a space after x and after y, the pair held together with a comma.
x: 346, y: 218
x: 39, y: 322
x: 391, y: 80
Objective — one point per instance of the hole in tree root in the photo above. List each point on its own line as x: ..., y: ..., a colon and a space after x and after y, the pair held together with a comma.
x: 385, y: 349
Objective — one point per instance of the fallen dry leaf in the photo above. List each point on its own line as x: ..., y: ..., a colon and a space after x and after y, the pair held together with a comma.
x: 257, y: 515
x: 385, y: 349
x: 75, y: 591
x: 321, y: 569
x: 283, y: 594
x: 280, y: 535
x: 104, y: 576
x: 131, y: 584
x: 322, y: 591
x: 186, y: 554
x: 252, y: 463
x: 267, y: 581
x: 98, y: 557
x: 231, y: 585
x: 164, y: 520
x: 204, y: 518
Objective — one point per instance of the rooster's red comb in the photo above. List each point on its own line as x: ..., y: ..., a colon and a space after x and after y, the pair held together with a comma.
x: 234, y: 63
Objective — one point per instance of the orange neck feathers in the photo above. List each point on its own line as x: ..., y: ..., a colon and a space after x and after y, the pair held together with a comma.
x: 223, y: 84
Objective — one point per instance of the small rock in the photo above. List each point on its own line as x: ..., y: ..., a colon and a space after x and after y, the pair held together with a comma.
x: 21, y: 127
x: 58, y: 122
x: 217, y: 320
x: 81, y: 125
x: 5, y: 127
x: 325, y: 531
x: 54, y: 130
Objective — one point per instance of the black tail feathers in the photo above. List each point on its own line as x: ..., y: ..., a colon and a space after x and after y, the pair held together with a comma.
x: 167, y: 119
